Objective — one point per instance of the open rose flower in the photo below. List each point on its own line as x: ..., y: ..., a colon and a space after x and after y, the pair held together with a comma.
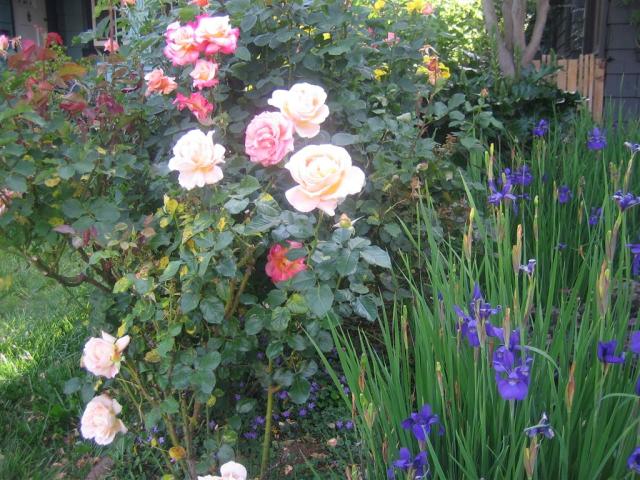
x: 158, y: 82
x: 269, y: 138
x: 200, y: 3
x: 204, y: 74
x: 215, y: 35
x: 5, y: 199
x: 101, y: 356
x: 304, y: 105
x: 197, y: 159
x: 325, y: 176
x: 279, y: 268
x: 99, y: 420
x: 229, y: 471
x: 198, y: 105
x: 181, y: 48
x: 111, y: 45
x: 4, y: 45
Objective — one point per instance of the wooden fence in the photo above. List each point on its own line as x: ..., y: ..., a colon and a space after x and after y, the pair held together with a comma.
x: 584, y: 75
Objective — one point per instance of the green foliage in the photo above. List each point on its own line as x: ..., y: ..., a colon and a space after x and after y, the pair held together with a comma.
x: 581, y: 292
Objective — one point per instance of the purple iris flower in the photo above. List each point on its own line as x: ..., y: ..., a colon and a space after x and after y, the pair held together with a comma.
x: 515, y: 385
x: 596, y: 215
x: 634, y: 147
x: 484, y: 309
x: 339, y: 424
x: 633, y: 462
x: 520, y: 176
x: 468, y: 327
x: 420, y: 423
x: 596, y: 140
x: 634, y: 342
x: 479, y: 310
x: 638, y: 387
x: 504, y: 194
x: 625, y: 200
x: 561, y: 246
x: 529, y: 268
x: 635, y: 263
x: 406, y: 462
x: 542, y: 428
x: 250, y: 435
x: 541, y: 129
x: 607, y: 350
x: 564, y: 194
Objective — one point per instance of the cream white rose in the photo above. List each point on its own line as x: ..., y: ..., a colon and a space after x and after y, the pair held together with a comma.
x: 101, y: 356
x: 99, y: 420
x: 304, y: 105
x: 197, y: 159
x: 325, y: 176
x: 229, y: 471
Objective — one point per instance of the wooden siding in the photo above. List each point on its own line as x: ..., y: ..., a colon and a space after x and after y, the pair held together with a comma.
x: 622, y: 85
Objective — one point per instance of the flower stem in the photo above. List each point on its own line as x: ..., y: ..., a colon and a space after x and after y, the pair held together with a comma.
x: 266, y: 442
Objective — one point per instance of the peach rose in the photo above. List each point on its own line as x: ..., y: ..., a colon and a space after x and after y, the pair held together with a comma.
x: 204, y: 74
x: 101, y: 356
x: 279, y: 268
x: 197, y: 159
x: 304, y: 105
x: 181, y: 47
x: 269, y: 138
x: 99, y: 420
x: 111, y: 45
x: 215, y: 35
x: 158, y: 82
x: 4, y: 44
x: 198, y: 105
x: 325, y: 177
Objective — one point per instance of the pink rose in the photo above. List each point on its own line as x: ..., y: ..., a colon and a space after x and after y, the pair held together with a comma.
x: 101, y: 356
x: 200, y: 3
x: 197, y: 159
x: 111, y: 45
x: 304, y: 105
x: 158, y: 82
x: 279, y: 268
x: 5, y: 199
x: 215, y: 35
x: 428, y: 9
x: 99, y: 420
x: 181, y: 47
x: 269, y: 138
x: 204, y: 74
x: 325, y: 177
x: 4, y: 44
x: 198, y: 105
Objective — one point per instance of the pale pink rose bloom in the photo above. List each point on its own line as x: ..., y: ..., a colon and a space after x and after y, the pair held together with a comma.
x: 391, y: 38
x: 269, y: 138
x: 101, y: 356
x: 428, y: 9
x: 197, y: 159
x: 181, y: 47
x: 215, y: 35
x: 4, y: 45
x: 99, y: 420
x: 304, y: 105
x: 233, y: 471
x: 111, y: 45
x: 129, y: 3
x: 198, y: 105
x: 325, y: 176
x: 204, y: 74
x: 158, y: 82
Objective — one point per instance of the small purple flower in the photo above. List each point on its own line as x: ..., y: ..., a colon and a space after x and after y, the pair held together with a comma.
x: 633, y: 462
x: 529, y: 268
x: 520, y: 176
x: 635, y: 262
x: 161, y: 440
x: 541, y: 129
x: 418, y: 464
x: 302, y: 412
x: 634, y: 342
x: 420, y: 423
x: 564, y: 194
x: 596, y: 215
x: 515, y: 385
x: 346, y: 390
x: 561, y: 246
x: 348, y: 425
x: 250, y: 435
x: 259, y: 420
x: 286, y: 414
x: 634, y: 147
x: 311, y: 405
x: 504, y: 194
x: 212, y: 425
x: 339, y: 424
x: 282, y: 395
x: 596, y: 140
x: 607, y: 350
x: 542, y: 428
x: 625, y: 200
x: 237, y: 397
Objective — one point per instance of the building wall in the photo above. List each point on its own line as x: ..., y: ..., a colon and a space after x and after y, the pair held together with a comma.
x: 6, y: 18
x: 622, y: 83
x: 72, y: 18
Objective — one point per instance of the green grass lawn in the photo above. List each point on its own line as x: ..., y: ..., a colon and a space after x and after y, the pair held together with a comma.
x: 42, y: 329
